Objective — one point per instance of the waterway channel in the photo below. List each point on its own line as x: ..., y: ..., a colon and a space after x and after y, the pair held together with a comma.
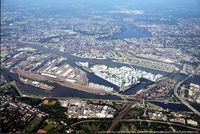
x: 71, y: 59
x: 61, y: 91
x: 58, y: 91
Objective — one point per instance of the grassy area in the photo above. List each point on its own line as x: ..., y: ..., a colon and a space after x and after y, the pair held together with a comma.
x: 49, y: 127
x: 52, y: 102
x: 127, y: 127
x: 55, y: 111
x: 91, y: 127
x: 154, y: 107
x: 31, y: 101
x: 33, y: 124
x: 134, y: 113
x: 142, y: 126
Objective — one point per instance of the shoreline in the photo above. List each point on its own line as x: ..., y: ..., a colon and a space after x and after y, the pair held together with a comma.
x: 74, y: 86
x: 44, y: 86
x: 23, y: 94
x: 87, y: 57
x: 114, y: 60
x: 141, y: 66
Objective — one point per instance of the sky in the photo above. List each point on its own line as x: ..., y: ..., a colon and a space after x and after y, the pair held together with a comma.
x: 79, y: 6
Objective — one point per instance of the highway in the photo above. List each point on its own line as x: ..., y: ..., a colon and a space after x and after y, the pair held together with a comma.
x: 163, y: 122
x: 181, y: 99
x: 138, y: 120
x: 120, y: 115
x: 13, y: 83
x: 164, y: 101
x: 138, y: 97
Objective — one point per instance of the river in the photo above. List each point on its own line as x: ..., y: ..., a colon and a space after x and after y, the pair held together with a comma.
x: 128, y: 32
x: 61, y: 91
x: 177, y: 107
x: 58, y: 91
x: 71, y: 59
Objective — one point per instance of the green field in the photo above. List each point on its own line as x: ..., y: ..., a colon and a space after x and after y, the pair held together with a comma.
x: 33, y: 124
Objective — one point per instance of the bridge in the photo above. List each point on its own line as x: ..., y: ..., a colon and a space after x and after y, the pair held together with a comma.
x: 12, y: 83
x: 138, y: 97
x: 181, y: 99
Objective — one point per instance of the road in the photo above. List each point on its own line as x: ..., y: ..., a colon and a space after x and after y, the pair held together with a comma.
x: 12, y: 83
x: 164, y: 101
x: 141, y: 96
x: 181, y: 99
x: 138, y: 97
x: 163, y: 122
x: 80, y: 122
x: 120, y: 115
x: 138, y: 120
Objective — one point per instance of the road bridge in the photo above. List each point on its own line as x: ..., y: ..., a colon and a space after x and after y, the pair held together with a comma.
x: 138, y: 98
x: 181, y: 99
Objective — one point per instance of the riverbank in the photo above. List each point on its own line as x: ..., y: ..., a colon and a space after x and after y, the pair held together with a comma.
x: 38, y: 77
x: 71, y: 59
x: 83, y: 67
x: 26, y: 95
x: 140, y: 66
x: 87, y: 57
x: 59, y: 91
